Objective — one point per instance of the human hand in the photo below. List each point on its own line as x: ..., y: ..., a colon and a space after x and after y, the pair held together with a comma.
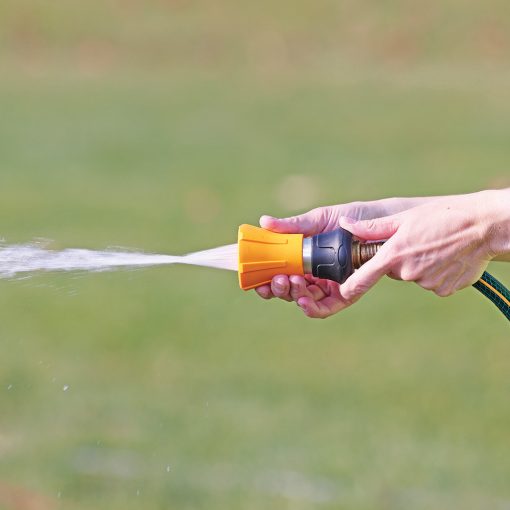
x: 316, y: 297
x: 443, y: 245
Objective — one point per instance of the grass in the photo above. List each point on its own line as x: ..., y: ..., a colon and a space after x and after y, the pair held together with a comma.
x: 184, y: 392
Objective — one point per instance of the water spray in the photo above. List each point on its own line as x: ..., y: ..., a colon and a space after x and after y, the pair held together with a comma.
x: 333, y: 255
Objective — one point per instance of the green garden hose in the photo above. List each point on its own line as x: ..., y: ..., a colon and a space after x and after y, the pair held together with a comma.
x: 495, y: 291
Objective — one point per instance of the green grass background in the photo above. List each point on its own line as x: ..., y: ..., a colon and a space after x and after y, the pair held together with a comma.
x: 163, y: 126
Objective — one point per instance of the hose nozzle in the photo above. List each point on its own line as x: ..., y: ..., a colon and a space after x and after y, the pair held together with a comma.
x: 332, y: 255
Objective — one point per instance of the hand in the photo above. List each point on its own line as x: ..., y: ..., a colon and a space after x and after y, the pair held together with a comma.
x: 322, y: 298
x: 443, y: 245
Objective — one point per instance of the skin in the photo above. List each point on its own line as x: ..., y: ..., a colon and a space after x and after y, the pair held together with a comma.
x: 441, y: 243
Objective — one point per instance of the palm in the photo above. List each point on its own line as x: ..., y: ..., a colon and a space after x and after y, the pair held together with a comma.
x: 322, y: 297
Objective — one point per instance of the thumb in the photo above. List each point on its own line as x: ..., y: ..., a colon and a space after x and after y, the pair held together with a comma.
x: 362, y: 280
x: 372, y: 230
x: 309, y: 223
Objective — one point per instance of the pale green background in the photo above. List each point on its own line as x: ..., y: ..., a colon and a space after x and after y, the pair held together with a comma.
x: 162, y: 126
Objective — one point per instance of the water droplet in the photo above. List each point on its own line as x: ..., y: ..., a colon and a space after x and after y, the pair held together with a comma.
x: 168, y: 469
x: 9, y: 387
x: 66, y: 387
x: 137, y: 492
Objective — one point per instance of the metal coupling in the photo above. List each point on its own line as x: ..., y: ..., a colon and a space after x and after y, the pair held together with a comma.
x: 307, y: 255
x: 363, y: 252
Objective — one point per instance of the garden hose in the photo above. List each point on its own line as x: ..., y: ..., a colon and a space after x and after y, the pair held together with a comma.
x: 331, y: 255
x: 495, y: 291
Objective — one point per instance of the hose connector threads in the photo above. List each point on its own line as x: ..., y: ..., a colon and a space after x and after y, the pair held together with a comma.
x: 363, y: 252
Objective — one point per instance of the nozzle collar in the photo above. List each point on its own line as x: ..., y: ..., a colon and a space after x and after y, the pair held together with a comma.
x: 331, y: 255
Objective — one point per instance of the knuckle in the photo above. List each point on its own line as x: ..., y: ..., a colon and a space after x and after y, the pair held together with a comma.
x: 279, y: 288
x: 443, y: 292
x: 370, y: 224
x: 322, y: 215
x: 296, y: 287
x: 388, y: 257
x: 263, y: 290
x: 295, y: 295
x: 426, y: 285
x: 357, y: 289
x: 396, y: 255
x: 408, y: 274
x: 352, y: 296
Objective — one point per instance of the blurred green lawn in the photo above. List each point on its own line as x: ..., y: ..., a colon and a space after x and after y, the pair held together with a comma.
x: 163, y: 128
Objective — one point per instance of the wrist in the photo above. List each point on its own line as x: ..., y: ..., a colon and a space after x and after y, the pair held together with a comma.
x: 496, y: 218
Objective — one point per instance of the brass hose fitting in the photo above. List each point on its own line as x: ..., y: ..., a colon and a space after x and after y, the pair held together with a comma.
x: 363, y: 252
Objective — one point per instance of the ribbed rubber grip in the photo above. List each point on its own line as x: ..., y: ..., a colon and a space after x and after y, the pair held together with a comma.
x: 331, y: 255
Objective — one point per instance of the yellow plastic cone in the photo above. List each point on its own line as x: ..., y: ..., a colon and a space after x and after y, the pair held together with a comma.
x: 264, y: 254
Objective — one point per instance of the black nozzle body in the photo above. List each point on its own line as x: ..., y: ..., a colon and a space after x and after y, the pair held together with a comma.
x: 332, y: 255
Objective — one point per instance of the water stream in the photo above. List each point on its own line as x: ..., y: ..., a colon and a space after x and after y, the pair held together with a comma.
x: 22, y: 259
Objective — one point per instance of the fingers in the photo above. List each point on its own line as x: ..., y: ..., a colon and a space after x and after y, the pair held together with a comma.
x: 366, y: 277
x: 372, y: 271
x: 280, y: 287
x: 446, y: 283
x: 264, y: 292
x: 317, y: 298
x: 321, y: 309
x: 373, y: 230
x: 313, y: 298
x: 299, y: 287
x: 310, y: 223
x: 291, y: 288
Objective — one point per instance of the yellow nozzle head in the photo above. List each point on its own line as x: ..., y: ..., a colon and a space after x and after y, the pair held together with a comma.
x: 264, y: 254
